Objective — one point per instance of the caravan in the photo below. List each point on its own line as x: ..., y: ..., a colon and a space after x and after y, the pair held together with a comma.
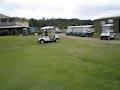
x: 83, y: 31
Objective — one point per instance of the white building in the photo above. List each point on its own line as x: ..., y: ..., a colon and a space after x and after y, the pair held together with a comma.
x: 12, y: 25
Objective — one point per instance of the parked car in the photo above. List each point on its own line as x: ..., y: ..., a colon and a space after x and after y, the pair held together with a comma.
x: 68, y: 33
x: 58, y: 31
x: 47, y: 34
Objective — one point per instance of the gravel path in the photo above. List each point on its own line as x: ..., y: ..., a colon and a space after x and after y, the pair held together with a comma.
x: 90, y: 39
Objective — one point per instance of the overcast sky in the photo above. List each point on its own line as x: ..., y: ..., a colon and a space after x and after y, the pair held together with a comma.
x: 82, y: 9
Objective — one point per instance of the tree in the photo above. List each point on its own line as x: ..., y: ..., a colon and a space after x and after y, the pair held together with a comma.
x: 60, y: 23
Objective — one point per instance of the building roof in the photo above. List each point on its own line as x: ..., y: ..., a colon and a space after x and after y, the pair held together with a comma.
x: 4, y: 27
x: 3, y: 16
x: 110, y: 17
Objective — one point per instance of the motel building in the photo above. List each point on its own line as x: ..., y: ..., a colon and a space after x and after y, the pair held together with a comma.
x: 13, y: 25
x: 108, y: 23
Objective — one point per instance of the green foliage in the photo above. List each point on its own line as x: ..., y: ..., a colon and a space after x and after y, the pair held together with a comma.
x: 96, y: 35
x: 61, y: 23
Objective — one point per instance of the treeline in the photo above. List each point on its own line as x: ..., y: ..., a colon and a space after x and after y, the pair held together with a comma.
x: 60, y: 23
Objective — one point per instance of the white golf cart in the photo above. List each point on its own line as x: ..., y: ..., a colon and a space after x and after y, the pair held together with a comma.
x: 107, y: 32
x: 47, y: 34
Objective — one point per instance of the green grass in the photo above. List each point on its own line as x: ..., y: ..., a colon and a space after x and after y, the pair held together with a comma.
x: 69, y: 65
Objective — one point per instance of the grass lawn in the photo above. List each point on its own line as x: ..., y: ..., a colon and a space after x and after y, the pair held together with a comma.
x: 72, y: 64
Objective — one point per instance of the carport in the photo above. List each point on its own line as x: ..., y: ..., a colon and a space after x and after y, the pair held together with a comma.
x: 12, y: 30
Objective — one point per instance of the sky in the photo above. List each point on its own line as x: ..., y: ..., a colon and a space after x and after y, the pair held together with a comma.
x: 81, y: 9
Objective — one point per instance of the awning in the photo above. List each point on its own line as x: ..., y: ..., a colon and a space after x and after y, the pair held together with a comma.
x: 7, y: 27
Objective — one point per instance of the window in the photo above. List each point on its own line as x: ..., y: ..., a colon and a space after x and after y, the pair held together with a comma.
x: 11, y: 20
x: 3, y: 20
x: 110, y: 21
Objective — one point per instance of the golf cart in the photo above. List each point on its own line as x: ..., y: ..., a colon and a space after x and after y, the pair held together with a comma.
x: 107, y: 32
x: 24, y: 31
x: 47, y: 34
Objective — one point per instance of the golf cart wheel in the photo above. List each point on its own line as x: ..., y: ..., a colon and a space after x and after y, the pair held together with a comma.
x: 86, y: 35
x: 101, y: 38
x: 57, y: 40
x: 41, y: 41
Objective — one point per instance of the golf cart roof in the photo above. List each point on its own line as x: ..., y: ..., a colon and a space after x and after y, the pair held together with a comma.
x: 47, y: 27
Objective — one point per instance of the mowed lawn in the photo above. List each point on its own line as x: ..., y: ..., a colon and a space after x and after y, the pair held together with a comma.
x: 72, y: 64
